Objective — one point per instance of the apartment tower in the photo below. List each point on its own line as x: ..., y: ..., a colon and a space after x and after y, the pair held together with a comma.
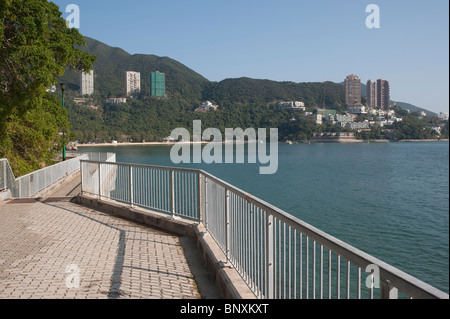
x: 371, y: 93
x: 133, y: 82
x: 87, y: 83
x: 158, y: 84
x: 383, y: 94
x: 353, y: 91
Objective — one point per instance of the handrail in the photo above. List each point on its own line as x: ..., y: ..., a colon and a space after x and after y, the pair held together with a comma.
x: 394, y: 276
x: 3, y: 173
x: 277, y: 254
x: 33, y: 183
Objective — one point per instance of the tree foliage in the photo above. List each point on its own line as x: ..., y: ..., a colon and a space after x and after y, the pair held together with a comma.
x: 413, y: 128
x: 36, y: 47
x: 246, y: 90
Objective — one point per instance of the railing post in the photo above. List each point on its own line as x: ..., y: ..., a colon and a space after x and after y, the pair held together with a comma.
x: 81, y: 176
x: 199, y: 197
x: 227, y: 224
x: 131, y: 186
x: 4, y: 175
x: 205, y: 222
x: 388, y: 291
x: 172, y: 193
x: 99, y: 182
x: 45, y: 178
x: 38, y: 181
x: 269, y: 257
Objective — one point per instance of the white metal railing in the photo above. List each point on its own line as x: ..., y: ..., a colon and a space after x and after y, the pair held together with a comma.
x: 33, y: 183
x: 276, y: 254
x: 3, y: 173
x: 172, y: 191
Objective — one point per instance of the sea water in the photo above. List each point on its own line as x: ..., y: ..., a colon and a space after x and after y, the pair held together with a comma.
x: 390, y: 200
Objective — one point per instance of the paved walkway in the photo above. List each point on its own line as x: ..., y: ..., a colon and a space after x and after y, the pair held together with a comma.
x: 70, y: 189
x: 58, y: 249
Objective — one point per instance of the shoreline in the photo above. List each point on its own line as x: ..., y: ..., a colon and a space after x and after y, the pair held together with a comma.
x: 135, y: 143
x: 426, y: 140
x: 295, y: 142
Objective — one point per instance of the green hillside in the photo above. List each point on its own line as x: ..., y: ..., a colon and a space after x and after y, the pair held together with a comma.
x: 246, y: 90
x: 188, y: 86
x: 243, y: 102
x: 412, y: 108
x: 112, y: 63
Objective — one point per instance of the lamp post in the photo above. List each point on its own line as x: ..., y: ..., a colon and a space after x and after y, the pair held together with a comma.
x: 63, y: 87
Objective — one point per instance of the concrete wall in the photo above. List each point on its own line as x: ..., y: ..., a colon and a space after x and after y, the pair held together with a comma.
x: 5, y: 195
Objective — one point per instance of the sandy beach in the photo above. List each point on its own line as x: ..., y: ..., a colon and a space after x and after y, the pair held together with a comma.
x: 137, y: 143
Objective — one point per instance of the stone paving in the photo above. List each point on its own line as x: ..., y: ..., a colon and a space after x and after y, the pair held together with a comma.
x: 70, y: 188
x: 59, y: 250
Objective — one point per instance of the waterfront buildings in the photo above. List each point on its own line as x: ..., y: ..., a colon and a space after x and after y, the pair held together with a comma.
x: 319, y: 119
x: 326, y: 112
x: 378, y: 94
x: 133, y: 81
x: 292, y: 105
x: 383, y: 94
x: 437, y: 129
x: 207, y: 106
x: 443, y: 116
x: 116, y: 100
x: 87, y: 83
x: 334, y: 137
x: 358, y: 125
x: 352, y: 91
x: 357, y: 110
x: 80, y: 100
x: 322, y: 114
x: 382, y: 121
x: 339, y: 119
x: 158, y: 84
x: 371, y: 93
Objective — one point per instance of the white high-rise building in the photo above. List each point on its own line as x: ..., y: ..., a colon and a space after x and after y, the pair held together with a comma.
x: 371, y: 93
x: 87, y: 83
x: 133, y: 82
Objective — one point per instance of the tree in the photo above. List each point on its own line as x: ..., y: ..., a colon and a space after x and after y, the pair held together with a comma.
x: 410, y: 128
x: 35, y: 48
x: 445, y: 130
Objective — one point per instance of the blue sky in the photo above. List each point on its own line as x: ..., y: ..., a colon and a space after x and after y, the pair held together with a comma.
x: 287, y: 40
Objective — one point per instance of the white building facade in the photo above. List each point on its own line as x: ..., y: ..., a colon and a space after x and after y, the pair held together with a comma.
x: 293, y: 105
x: 443, y: 116
x: 87, y: 83
x: 116, y: 100
x: 133, y: 80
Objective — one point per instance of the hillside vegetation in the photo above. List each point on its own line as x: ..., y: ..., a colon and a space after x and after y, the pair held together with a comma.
x: 243, y: 102
x: 36, y: 47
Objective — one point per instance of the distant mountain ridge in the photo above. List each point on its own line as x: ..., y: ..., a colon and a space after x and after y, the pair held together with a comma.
x: 112, y: 63
x: 187, y: 85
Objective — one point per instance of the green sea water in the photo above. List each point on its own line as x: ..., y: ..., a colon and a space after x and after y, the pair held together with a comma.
x: 390, y: 200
